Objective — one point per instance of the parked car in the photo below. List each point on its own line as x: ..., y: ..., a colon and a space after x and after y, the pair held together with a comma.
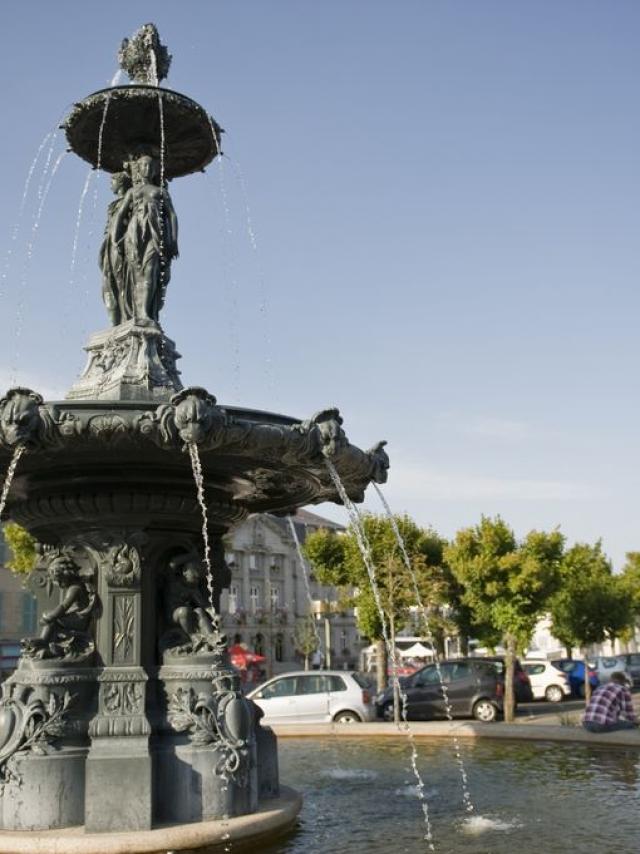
x: 548, y: 682
x: 574, y: 668
x: 633, y: 665
x: 314, y: 697
x: 474, y: 687
x: 521, y: 682
x: 605, y: 665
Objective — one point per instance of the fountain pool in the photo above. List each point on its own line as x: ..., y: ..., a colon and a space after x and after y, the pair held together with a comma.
x: 530, y: 797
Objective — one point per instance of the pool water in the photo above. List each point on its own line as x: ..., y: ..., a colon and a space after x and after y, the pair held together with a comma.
x: 530, y: 798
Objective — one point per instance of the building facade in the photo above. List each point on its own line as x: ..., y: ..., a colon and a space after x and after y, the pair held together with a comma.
x: 545, y: 645
x: 268, y: 596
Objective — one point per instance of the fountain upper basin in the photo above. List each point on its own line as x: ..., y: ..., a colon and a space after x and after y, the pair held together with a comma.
x: 90, y: 459
x: 132, y: 115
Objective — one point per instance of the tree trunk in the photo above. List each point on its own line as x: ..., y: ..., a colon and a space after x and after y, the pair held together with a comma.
x: 381, y: 664
x: 568, y: 649
x: 509, y: 668
x: 463, y: 641
x: 587, y: 684
x: 439, y: 640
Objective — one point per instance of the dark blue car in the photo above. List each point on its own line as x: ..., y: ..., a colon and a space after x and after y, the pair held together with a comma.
x: 574, y: 668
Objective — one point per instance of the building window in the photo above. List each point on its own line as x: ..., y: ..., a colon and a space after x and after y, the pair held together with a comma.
x: 234, y: 603
x: 275, y: 598
x: 277, y: 562
x: 343, y: 641
x: 252, y: 561
x: 254, y: 597
x: 258, y: 644
x: 278, y: 647
x: 237, y: 639
x: 29, y: 613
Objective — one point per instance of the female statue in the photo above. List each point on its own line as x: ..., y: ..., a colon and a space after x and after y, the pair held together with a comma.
x: 116, y: 292
x: 146, y: 218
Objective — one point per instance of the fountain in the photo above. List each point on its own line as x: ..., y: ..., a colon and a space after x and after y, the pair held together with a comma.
x: 124, y: 713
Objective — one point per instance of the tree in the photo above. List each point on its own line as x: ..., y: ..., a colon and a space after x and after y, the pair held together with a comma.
x: 506, y: 584
x: 305, y: 638
x: 336, y: 559
x: 592, y: 603
x: 630, y: 580
x: 22, y: 547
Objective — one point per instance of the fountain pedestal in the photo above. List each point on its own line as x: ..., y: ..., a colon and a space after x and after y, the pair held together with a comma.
x: 129, y: 362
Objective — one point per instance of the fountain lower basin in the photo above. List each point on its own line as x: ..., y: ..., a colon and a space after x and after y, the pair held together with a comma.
x: 530, y: 796
x: 273, y: 818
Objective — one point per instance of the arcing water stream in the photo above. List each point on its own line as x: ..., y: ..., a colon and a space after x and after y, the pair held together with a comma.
x: 196, y: 467
x: 163, y: 260
x: 305, y: 577
x: 13, y: 465
x: 22, y: 288
x: 365, y: 551
x: 198, y: 477
x: 25, y: 192
x: 262, y: 291
x: 466, y: 795
x: 231, y: 280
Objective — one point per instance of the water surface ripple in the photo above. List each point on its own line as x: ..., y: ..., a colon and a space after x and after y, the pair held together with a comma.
x: 531, y: 798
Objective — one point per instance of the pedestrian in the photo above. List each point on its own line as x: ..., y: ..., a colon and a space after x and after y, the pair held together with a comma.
x: 610, y: 707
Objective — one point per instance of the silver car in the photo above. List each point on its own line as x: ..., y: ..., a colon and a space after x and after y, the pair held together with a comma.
x: 605, y: 665
x: 314, y: 696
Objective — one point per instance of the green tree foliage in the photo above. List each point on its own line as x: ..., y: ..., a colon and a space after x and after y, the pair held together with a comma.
x: 505, y: 583
x: 22, y: 547
x: 630, y: 581
x: 336, y: 560
x: 592, y: 603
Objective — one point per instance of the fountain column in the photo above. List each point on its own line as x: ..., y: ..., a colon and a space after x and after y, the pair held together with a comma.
x: 118, y: 771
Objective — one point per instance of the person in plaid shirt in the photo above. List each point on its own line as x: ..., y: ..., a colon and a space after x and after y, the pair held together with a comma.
x: 610, y: 707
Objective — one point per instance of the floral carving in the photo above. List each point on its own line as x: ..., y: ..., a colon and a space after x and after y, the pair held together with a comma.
x: 123, y: 628
x: 33, y: 726
x: 123, y: 566
x: 108, y: 427
x: 123, y: 698
x: 221, y: 719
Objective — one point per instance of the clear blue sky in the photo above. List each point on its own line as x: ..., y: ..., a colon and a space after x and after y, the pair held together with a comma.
x: 446, y: 202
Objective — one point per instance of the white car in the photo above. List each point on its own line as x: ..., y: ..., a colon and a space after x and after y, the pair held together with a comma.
x: 547, y: 682
x: 314, y: 696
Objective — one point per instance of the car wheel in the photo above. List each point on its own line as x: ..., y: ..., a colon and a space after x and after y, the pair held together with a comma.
x: 485, y: 711
x: 554, y: 694
x: 347, y: 717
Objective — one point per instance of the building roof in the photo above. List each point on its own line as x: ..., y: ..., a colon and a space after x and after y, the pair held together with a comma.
x: 304, y: 520
x: 316, y: 521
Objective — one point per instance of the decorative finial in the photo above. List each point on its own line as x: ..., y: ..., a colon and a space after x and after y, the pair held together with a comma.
x: 144, y: 58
